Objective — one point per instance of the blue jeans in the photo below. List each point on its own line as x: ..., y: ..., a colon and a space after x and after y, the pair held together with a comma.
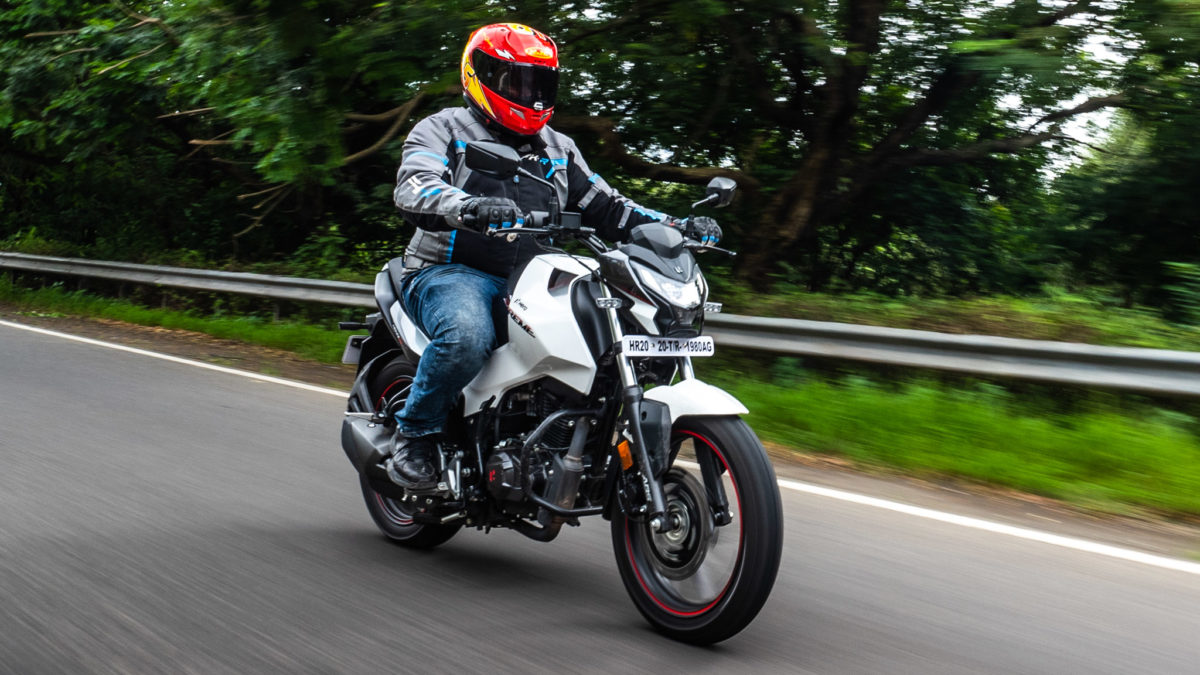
x: 453, y: 305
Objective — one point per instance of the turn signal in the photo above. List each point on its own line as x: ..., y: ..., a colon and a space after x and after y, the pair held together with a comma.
x: 626, y: 457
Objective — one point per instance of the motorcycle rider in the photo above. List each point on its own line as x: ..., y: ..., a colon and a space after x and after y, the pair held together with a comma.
x: 453, y: 271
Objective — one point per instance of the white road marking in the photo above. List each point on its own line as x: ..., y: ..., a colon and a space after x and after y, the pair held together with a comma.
x: 176, y: 359
x: 841, y: 495
x: 999, y: 528
x: 989, y: 526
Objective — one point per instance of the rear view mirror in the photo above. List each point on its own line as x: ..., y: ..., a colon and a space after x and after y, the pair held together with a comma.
x: 720, y: 191
x: 493, y: 159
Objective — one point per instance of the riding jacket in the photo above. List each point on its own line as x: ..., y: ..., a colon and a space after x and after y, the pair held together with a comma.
x: 434, y: 181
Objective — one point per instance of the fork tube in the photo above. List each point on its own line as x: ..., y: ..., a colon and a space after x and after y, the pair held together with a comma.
x: 628, y: 377
x: 631, y: 399
x: 686, y: 372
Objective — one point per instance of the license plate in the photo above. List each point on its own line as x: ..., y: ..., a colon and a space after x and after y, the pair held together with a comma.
x: 645, y: 345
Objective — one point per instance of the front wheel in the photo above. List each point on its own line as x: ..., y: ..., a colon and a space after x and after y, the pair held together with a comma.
x: 706, y: 578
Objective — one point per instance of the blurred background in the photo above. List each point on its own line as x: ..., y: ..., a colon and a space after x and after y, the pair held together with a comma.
x: 1022, y: 168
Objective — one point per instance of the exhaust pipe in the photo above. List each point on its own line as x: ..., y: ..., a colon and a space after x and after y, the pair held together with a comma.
x: 367, y: 446
x: 561, y: 491
x: 366, y: 443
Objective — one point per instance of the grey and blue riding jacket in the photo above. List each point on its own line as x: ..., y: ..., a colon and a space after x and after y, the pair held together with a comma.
x: 434, y: 181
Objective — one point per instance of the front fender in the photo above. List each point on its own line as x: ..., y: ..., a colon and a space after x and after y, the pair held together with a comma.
x: 693, y: 397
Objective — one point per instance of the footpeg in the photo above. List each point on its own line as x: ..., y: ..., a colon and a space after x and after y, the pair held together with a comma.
x: 431, y: 491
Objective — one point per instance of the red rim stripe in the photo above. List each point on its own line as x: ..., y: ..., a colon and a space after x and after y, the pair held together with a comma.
x: 741, y: 538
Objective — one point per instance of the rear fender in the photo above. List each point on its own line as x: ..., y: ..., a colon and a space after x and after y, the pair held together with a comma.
x: 693, y: 397
x: 360, y: 397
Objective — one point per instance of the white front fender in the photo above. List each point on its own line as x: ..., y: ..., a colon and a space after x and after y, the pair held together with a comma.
x: 693, y: 397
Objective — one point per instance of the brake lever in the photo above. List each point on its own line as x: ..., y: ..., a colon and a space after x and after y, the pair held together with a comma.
x: 697, y: 246
x: 505, y: 231
x: 498, y: 231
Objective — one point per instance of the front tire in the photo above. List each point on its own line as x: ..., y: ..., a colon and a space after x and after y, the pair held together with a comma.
x: 389, y: 390
x: 703, y: 582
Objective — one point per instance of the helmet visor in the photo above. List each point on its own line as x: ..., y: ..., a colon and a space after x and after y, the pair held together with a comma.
x: 524, y: 84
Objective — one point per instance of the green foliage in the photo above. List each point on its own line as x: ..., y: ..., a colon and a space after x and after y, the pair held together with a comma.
x: 314, y: 342
x: 1129, y: 209
x: 1186, y: 292
x: 223, y: 126
x: 30, y: 241
x: 872, y: 146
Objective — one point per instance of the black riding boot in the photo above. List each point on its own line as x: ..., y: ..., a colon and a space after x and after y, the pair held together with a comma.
x: 411, y: 465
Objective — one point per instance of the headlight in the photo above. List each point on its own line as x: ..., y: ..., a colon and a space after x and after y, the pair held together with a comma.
x: 681, y: 294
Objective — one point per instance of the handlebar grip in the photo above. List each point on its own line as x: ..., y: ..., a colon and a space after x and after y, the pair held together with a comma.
x: 538, y: 219
x: 535, y: 219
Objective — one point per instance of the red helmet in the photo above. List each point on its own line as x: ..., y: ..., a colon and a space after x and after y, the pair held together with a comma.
x: 510, y: 74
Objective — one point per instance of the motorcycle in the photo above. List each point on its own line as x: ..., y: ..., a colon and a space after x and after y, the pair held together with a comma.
x: 589, y: 406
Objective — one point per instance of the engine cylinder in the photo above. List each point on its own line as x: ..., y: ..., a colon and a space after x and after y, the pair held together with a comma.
x: 558, y: 435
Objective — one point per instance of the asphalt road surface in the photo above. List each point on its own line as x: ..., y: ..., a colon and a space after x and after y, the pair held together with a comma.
x: 160, y: 518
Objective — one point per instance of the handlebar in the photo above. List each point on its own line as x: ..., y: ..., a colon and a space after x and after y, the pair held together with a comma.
x: 537, y: 218
x: 534, y: 222
x: 540, y: 224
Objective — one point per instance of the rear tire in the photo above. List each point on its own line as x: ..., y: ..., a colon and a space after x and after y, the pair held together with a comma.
x: 395, y: 521
x: 703, y: 582
x: 389, y: 389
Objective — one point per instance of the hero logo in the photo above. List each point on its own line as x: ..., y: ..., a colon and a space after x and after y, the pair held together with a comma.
x: 517, y: 319
x: 539, y: 106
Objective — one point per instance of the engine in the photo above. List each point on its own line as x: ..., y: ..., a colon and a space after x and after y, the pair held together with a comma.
x: 503, y: 477
x: 520, y: 413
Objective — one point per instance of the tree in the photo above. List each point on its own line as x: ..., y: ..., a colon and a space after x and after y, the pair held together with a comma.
x: 878, y: 143
x: 1129, y: 210
x: 286, y: 105
x: 819, y: 104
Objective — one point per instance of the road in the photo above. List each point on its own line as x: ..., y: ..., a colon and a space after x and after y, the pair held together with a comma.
x: 160, y: 518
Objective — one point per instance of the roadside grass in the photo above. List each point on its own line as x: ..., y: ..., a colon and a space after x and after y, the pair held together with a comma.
x: 1102, y: 454
x: 310, y: 341
x: 1099, y: 458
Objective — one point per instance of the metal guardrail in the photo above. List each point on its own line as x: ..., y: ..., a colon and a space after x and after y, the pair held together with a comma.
x: 1152, y: 371
x: 264, y: 285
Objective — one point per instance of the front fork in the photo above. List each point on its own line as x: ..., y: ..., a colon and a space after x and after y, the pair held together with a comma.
x: 631, y: 406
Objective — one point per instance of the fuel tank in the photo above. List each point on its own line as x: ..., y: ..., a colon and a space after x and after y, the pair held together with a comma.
x: 544, y: 337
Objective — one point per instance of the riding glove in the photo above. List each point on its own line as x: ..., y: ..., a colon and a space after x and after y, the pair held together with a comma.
x: 703, y: 229
x: 489, y: 213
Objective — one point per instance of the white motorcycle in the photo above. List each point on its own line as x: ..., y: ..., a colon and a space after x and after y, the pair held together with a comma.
x: 589, y: 406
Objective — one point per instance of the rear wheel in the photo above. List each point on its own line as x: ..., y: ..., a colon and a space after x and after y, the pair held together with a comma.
x: 708, y: 576
x: 389, y: 390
